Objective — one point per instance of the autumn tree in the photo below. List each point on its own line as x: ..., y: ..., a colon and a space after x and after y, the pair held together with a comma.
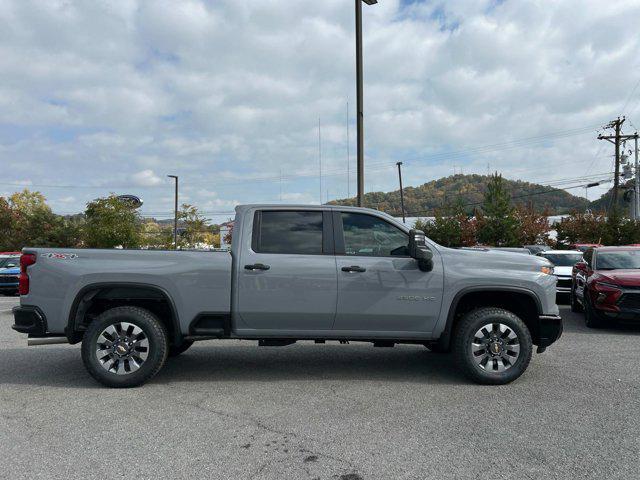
x: 582, y: 228
x: 451, y: 227
x: 533, y: 227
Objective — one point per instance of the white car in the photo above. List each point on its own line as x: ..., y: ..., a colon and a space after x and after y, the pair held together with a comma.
x: 563, y: 261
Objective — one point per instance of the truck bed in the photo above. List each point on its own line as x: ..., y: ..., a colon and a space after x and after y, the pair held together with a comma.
x: 196, y: 282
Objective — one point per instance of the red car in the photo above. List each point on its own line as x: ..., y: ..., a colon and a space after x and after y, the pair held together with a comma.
x: 606, y: 285
x: 583, y: 247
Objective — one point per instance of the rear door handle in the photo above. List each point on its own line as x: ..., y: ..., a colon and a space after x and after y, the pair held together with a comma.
x: 257, y: 266
x: 354, y: 268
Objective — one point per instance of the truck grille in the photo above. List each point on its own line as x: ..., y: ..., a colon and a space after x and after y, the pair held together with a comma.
x: 630, y: 301
x: 4, y: 279
x: 564, y: 282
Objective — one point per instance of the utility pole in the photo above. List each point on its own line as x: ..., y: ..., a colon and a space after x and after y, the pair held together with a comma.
x: 175, y: 213
x: 616, y: 140
x: 399, y: 164
x: 348, y: 157
x: 636, y: 188
x: 320, y: 160
x: 359, y: 95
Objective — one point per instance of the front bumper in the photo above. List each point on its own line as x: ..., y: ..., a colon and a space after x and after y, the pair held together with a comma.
x: 550, y: 330
x: 29, y: 320
x: 564, y: 285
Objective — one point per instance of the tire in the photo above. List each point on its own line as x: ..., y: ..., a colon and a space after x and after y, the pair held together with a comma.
x: 139, y: 335
x: 575, y: 306
x: 591, y: 318
x: 183, y: 347
x: 492, y: 356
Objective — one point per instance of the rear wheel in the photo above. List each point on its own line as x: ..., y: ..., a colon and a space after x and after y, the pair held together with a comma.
x: 124, y: 347
x: 492, y: 346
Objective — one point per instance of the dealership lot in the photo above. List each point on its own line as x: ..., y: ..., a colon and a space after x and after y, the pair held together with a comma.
x: 228, y: 409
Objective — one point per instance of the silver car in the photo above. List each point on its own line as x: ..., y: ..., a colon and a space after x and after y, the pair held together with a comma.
x: 563, y: 261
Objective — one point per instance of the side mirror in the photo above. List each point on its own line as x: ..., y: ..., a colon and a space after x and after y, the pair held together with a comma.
x: 418, y: 249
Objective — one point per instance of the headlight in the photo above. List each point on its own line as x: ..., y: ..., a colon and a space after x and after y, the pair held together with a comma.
x: 547, y: 270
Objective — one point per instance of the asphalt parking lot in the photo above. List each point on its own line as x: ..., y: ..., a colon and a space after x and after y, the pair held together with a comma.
x: 228, y: 409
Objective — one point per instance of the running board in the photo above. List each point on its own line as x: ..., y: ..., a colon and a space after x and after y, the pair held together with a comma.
x: 36, y: 341
x: 276, y: 342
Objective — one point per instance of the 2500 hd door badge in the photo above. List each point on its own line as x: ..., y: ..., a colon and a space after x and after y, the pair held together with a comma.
x: 416, y: 298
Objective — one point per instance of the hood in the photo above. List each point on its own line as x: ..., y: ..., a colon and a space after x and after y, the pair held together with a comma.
x: 562, y: 271
x: 623, y: 278
x: 494, y: 259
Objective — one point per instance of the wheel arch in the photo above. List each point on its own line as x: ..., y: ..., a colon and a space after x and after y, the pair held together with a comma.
x: 521, y: 301
x: 96, y: 298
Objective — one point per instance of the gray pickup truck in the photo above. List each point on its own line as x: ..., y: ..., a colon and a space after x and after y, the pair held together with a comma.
x: 316, y: 273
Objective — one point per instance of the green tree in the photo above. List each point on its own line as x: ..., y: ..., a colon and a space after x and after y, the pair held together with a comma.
x: 6, y: 224
x: 195, y: 226
x: 497, y: 223
x: 30, y: 221
x: 111, y: 223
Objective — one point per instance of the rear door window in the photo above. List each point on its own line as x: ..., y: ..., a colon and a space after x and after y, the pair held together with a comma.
x: 292, y: 232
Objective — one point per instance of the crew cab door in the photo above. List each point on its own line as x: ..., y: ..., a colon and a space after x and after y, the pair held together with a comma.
x: 381, y: 288
x: 286, y: 275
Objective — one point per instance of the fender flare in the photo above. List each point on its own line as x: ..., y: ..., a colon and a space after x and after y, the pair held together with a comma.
x: 71, y: 329
x: 445, y: 336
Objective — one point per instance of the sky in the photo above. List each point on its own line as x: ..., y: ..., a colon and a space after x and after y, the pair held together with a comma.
x: 112, y: 96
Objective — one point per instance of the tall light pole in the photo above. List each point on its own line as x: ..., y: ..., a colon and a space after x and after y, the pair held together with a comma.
x: 636, y: 186
x: 360, y: 117
x: 399, y: 164
x: 175, y: 213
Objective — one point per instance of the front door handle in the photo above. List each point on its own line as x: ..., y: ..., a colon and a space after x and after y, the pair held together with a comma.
x: 257, y: 266
x: 354, y: 268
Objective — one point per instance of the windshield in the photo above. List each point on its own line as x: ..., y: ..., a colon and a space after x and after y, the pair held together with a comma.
x: 7, y: 261
x: 618, y: 260
x: 563, y: 259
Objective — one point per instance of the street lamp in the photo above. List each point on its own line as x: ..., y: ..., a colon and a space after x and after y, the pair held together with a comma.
x: 175, y: 213
x: 360, y: 117
x: 399, y: 164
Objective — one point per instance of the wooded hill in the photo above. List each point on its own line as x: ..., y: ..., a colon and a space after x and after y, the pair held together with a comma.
x: 426, y: 199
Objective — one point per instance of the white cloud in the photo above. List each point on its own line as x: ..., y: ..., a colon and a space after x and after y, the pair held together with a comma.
x: 146, y: 178
x: 227, y: 94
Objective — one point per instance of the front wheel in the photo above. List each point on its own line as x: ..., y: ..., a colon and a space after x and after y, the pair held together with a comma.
x: 575, y: 305
x: 591, y: 317
x: 124, y: 347
x: 492, y: 346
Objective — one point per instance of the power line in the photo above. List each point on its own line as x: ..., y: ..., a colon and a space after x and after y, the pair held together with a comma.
x: 336, y: 172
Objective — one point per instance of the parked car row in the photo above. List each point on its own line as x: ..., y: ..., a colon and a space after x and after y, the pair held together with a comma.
x: 603, y: 282
x: 606, y: 285
x: 9, y: 272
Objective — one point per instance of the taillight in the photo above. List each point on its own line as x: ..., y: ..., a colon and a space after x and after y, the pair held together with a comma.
x: 26, y: 259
